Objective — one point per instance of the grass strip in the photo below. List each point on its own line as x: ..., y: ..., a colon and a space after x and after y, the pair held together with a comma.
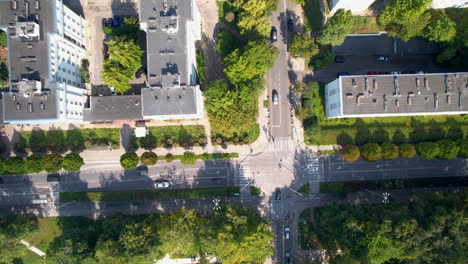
x: 138, y: 195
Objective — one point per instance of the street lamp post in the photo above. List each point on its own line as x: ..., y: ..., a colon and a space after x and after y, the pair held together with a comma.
x: 385, y: 196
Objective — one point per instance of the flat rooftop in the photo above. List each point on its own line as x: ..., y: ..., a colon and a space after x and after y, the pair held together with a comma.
x: 32, y: 106
x: 168, y: 101
x: 413, y: 93
x: 110, y: 108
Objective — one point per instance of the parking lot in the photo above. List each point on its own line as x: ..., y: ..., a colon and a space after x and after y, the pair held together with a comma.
x: 360, y: 55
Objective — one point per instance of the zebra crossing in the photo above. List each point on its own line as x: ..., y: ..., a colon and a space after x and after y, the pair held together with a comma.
x: 282, y: 145
x: 244, y: 173
x: 313, y: 175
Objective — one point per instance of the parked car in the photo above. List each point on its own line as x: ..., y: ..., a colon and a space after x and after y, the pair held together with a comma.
x: 339, y: 59
x: 342, y: 74
x: 290, y: 25
x: 287, y: 232
x: 420, y: 72
x: 287, y: 257
x: 54, y: 177
x: 105, y: 23
x: 278, y: 194
x: 408, y: 72
x: 382, y: 58
x: 116, y: 21
x: 216, y: 180
x: 273, y: 34
x: 274, y: 96
x: 1, y: 180
x: 384, y: 73
x: 371, y: 73
x: 396, y: 73
x: 161, y: 184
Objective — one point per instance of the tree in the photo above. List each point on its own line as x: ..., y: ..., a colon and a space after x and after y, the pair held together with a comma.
x: 3, y: 73
x: 124, y: 60
x: 169, y: 157
x: 84, y: 71
x: 303, y: 46
x: 405, y: 19
x: 137, y: 238
x: 226, y: 43
x: 299, y: 87
x: 463, y: 152
x: 389, y: 151
x: 3, y: 39
x: 253, y: 16
x: 72, y: 162
x: 34, y: 163
x: 14, y: 165
x: 129, y: 160
x: 350, y: 153
x: 407, y: 151
x: 53, y: 162
x: 189, y: 158
x: 427, y: 150
x: 447, y: 149
x: 371, y: 152
x: 149, y: 158
x: 12, y: 230
x: 337, y: 28
x: 251, y: 62
x: 441, y: 27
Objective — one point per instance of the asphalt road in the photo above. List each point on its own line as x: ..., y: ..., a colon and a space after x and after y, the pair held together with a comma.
x: 278, y: 79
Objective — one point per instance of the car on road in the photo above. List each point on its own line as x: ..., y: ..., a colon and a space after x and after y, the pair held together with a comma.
x: 287, y: 232
x: 290, y: 25
x: 396, y: 73
x: 161, y: 184
x: 273, y: 34
x: 382, y: 58
x: 278, y: 194
x: 116, y: 21
x: 384, y: 73
x: 342, y: 74
x: 1, y: 180
x: 274, y: 97
x: 216, y: 180
x: 339, y: 59
x: 287, y: 257
x: 54, y: 177
x: 371, y: 73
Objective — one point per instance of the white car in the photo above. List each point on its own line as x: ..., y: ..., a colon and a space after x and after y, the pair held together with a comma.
x: 161, y: 185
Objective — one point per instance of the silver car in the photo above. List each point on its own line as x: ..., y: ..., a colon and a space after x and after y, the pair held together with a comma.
x: 275, y: 97
x: 161, y: 184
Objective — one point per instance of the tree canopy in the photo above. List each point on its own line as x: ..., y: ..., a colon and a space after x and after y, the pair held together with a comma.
x: 389, y: 151
x: 124, y: 60
x: 149, y: 158
x: 447, y: 149
x: 337, y: 28
x: 427, y: 150
x: 405, y: 19
x: 12, y: 230
x: 53, y: 162
x: 303, y: 45
x: 72, y: 162
x: 129, y: 160
x: 371, y: 151
x: 407, y: 151
x: 253, y: 16
x: 440, y: 28
x: 34, y: 163
x: 350, y: 153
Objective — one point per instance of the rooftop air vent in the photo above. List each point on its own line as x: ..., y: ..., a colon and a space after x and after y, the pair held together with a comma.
x: 30, y: 107
x: 42, y: 106
x: 18, y: 106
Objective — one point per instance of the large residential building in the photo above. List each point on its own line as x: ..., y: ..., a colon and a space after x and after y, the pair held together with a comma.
x: 46, y: 45
x: 171, y: 91
x: 397, y: 95
x: 353, y: 5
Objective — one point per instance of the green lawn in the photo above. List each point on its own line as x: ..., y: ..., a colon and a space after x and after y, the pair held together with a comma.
x: 363, y: 25
x: 48, y: 229
x: 331, y: 187
x: 255, y: 191
x: 304, y: 189
x: 313, y: 17
x: 137, y: 195
x: 173, y: 136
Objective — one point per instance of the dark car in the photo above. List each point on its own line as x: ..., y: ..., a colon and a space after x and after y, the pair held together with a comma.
x: 371, y: 73
x: 216, y: 180
x: 339, y: 59
x: 384, y: 73
x: 408, y: 72
x: 1, y: 180
x: 55, y: 177
x: 290, y: 25
x: 342, y: 74
x: 104, y: 22
x: 273, y: 34
x: 278, y: 194
x: 116, y: 21
x: 287, y: 257
x: 274, y: 97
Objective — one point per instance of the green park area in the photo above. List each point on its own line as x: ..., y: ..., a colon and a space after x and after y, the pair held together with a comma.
x: 173, y: 136
x: 232, y: 234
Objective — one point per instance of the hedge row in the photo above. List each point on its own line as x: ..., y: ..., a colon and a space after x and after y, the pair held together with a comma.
x: 36, y: 163
x: 130, y: 160
x: 442, y: 149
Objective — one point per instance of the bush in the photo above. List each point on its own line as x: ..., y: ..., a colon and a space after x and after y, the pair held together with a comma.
x: 149, y: 158
x: 255, y: 191
x: 72, y: 162
x: 371, y: 152
x: 129, y: 160
x: 447, y: 149
x: 34, y: 163
x: 169, y: 157
x: 427, y: 150
x: 304, y: 189
x: 389, y: 151
x: 463, y: 152
x: 350, y: 153
x: 53, y: 162
x: 189, y: 158
x: 407, y: 151
x: 14, y: 165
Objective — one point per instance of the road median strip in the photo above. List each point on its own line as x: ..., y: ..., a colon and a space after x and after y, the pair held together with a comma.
x: 135, y: 195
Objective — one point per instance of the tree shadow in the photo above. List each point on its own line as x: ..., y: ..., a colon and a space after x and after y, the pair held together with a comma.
x: 344, y: 139
x: 19, y: 144
x: 380, y: 136
x: 399, y: 137
x: 419, y: 134
x: 55, y: 139
x: 75, y: 139
x: 38, y: 141
x: 455, y: 133
x: 363, y: 136
x: 436, y: 133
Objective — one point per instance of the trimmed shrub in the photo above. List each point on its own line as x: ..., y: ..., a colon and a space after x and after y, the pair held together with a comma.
x: 129, y: 160
x: 149, y: 158
x: 72, y: 162
x: 14, y: 165
x: 407, y: 151
x: 34, y: 163
x: 427, y: 150
x: 53, y: 162
x: 189, y: 158
x: 463, y: 144
x: 447, y: 149
x: 350, y: 153
x: 389, y: 151
x: 169, y: 157
x: 371, y: 152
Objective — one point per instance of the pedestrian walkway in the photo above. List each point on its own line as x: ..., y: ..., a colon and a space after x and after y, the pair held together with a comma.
x: 281, y: 145
x: 33, y: 248
x: 313, y: 175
